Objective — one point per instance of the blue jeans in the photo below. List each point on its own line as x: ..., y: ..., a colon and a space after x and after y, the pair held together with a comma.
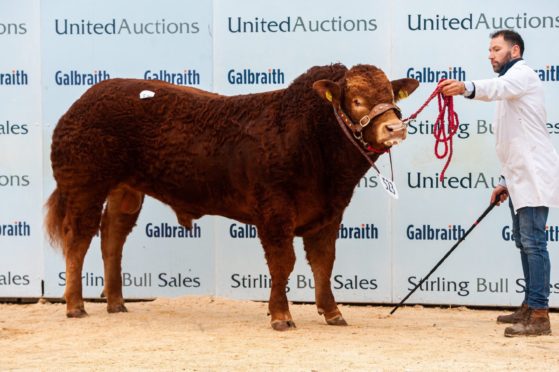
x: 528, y: 229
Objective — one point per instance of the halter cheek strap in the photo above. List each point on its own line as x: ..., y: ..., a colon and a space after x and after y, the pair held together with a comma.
x: 366, y: 155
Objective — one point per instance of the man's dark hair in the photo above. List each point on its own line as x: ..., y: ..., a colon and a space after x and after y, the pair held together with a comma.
x: 512, y: 37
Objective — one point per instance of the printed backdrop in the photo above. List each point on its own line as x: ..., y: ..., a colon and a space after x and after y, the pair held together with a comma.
x: 53, y: 51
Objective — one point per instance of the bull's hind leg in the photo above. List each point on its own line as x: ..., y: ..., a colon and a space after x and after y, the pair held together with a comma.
x: 321, y: 251
x: 277, y: 241
x: 80, y: 225
x: 119, y: 218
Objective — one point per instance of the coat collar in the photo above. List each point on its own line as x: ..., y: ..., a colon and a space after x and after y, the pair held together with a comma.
x: 508, y: 65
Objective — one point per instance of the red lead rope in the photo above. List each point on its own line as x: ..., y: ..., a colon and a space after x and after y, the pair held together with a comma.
x: 442, y: 135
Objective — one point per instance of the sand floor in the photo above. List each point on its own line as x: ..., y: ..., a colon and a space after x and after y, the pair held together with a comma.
x: 216, y: 334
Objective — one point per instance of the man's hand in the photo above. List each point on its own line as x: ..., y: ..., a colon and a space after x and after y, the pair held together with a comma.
x: 451, y: 87
x: 500, y: 191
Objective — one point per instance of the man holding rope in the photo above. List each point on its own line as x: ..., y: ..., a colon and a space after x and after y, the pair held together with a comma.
x: 530, y: 169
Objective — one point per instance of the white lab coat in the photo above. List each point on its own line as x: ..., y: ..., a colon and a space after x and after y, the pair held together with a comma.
x: 529, y: 161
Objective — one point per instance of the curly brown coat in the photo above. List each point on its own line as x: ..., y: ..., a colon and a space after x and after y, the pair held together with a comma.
x: 277, y: 160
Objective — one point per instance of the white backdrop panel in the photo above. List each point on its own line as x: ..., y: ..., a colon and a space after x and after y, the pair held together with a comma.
x: 219, y: 45
x: 139, y: 39
x: 453, y: 38
x: 288, y: 38
x: 20, y: 151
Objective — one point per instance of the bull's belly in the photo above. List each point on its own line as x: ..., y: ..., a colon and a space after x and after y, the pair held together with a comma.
x: 193, y: 203
x: 307, y: 210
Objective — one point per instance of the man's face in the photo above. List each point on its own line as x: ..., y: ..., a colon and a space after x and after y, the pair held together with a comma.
x: 500, y: 52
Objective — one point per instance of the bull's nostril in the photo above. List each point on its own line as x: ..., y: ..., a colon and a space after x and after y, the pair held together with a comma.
x: 395, y: 127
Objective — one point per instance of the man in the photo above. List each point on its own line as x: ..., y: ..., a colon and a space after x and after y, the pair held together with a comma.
x: 530, y: 169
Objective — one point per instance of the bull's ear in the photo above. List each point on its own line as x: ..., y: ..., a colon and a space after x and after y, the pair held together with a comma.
x: 328, y: 90
x: 403, y: 88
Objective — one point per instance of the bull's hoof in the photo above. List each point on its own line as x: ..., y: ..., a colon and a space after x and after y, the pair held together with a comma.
x: 283, y: 325
x: 338, y: 320
x: 76, y: 313
x: 120, y: 308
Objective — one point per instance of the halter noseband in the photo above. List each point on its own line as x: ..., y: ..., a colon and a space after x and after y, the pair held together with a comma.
x: 357, y: 129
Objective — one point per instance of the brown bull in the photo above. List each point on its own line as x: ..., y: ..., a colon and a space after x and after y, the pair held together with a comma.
x: 277, y: 160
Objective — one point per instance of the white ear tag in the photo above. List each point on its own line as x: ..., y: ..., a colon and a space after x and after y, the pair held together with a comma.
x: 146, y: 94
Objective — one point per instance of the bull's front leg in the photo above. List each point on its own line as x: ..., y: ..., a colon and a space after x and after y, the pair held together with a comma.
x: 321, y: 252
x: 277, y: 240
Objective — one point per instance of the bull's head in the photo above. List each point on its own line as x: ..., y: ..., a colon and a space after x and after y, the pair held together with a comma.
x: 368, y: 98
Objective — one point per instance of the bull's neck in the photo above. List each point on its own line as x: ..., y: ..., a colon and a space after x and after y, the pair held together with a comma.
x: 347, y: 162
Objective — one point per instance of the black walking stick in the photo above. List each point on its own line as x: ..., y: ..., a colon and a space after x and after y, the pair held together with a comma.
x: 497, y: 199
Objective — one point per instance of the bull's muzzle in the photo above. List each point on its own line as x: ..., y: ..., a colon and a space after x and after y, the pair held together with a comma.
x: 396, y: 130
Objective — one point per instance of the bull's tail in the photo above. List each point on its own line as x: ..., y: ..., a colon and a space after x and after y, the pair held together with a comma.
x: 54, y: 219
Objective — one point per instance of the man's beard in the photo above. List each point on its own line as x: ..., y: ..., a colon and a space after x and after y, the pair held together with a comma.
x: 497, y: 68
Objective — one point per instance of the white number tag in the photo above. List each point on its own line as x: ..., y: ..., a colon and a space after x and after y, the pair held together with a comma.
x: 389, y: 186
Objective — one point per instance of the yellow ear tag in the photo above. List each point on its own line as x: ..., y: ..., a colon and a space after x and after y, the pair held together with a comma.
x: 402, y: 94
x: 328, y: 96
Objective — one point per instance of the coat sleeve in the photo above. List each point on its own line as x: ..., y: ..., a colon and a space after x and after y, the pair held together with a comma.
x: 515, y: 83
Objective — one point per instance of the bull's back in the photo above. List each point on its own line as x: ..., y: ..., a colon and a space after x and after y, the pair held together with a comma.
x: 182, y: 146
x: 109, y: 130
x: 112, y: 115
